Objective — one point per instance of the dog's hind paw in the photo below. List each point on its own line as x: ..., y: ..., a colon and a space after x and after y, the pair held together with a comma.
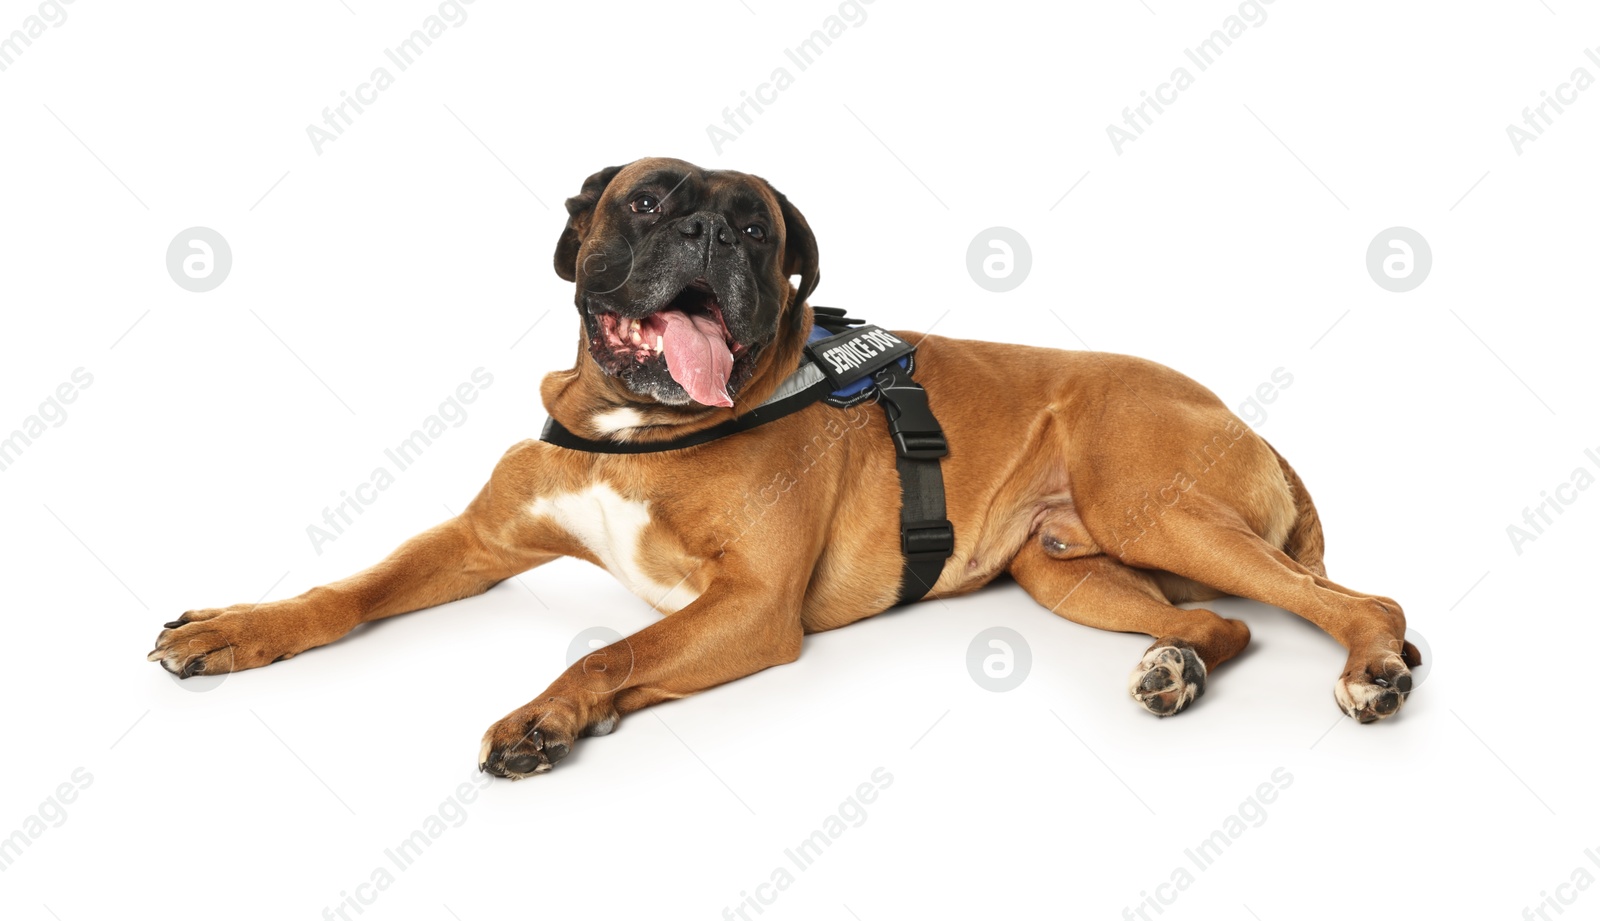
x: 1371, y: 691
x: 1170, y: 677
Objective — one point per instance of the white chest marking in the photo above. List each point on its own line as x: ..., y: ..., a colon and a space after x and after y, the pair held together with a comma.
x: 615, y: 420
x: 610, y: 527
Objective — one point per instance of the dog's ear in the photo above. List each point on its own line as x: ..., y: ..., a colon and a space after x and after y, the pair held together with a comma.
x: 799, y: 252
x: 580, y: 208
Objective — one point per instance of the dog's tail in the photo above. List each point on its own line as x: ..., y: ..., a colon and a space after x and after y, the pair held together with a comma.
x: 1304, y: 543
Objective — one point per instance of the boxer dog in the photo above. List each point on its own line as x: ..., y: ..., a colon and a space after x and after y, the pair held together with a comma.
x: 1112, y: 489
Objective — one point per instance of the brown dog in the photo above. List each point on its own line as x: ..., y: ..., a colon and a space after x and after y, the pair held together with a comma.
x: 1111, y: 488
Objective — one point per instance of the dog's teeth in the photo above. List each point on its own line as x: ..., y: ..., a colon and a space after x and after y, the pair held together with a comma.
x: 658, y: 343
x: 634, y: 334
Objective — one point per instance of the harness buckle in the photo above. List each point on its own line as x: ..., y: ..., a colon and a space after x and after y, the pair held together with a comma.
x: 915, y: 431
x: 927, y: 540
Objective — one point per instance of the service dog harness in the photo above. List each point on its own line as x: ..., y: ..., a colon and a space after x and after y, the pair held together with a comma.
x: 846, y: 363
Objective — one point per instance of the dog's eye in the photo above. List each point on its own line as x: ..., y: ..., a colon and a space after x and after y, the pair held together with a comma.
x: 646, y: 204
x: 756, y: 232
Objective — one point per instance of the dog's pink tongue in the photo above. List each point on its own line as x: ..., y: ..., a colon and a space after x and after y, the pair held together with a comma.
x: 697, y: 357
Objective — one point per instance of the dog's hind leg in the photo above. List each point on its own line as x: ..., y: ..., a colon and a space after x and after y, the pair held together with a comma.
x: 1205, y: 540
x: 1097, y: 591
x: 1193, y: 492
x: 1304, y: 545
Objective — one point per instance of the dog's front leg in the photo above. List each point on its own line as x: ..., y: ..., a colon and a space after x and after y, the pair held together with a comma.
x: 459, y: 558
x: 737, y: 628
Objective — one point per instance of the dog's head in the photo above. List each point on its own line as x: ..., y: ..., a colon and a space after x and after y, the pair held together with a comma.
x: 683, y: 277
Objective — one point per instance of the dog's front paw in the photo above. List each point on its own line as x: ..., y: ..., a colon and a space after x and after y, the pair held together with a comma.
x: 217, y: 641
x: 1373, y: 689
x: 1171, y: 676
x: 532, y: 739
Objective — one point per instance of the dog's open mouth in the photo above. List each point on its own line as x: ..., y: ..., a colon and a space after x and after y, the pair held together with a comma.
x: 688, y: 335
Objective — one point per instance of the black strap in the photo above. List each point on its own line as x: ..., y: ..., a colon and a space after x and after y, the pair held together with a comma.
x: 558, y: 434
x: 833, y: 319
x: 927, y: 538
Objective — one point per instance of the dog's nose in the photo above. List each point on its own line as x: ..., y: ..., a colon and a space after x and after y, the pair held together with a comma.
x: 706, y: 223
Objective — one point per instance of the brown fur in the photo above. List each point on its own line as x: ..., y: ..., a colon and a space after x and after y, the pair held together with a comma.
x: 1111, y: 488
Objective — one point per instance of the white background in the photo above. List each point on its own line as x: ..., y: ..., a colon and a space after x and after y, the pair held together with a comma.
x: 370, y: 280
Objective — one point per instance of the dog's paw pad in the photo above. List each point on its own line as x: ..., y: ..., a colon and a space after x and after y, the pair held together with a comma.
x: 1169, y: 678
x: 534, y: 753
x: 1374, y: 692
x: 535, y: 738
